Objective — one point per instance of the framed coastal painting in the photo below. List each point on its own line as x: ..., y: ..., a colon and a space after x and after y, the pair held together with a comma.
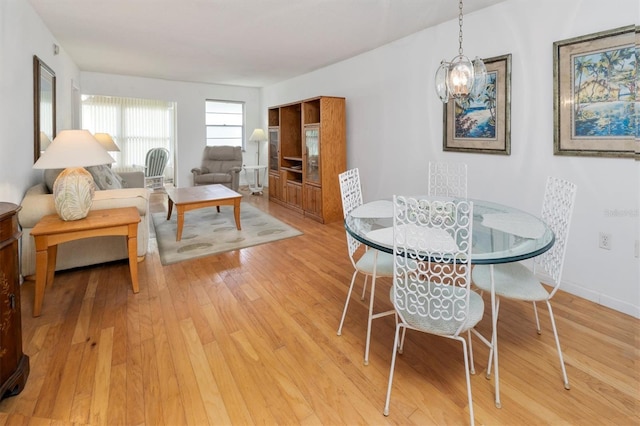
x: 483, y: 125
x: 595, y: 92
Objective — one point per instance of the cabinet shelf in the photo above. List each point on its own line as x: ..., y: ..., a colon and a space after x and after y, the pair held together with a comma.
x: 292, y: 170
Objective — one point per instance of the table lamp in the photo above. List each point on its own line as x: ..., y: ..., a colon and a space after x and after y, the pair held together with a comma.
x: 106, y: 141
x: 258, y: 136
x: 73, y: 189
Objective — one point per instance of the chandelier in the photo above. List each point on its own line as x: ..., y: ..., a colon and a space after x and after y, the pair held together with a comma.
x: 460, y: 79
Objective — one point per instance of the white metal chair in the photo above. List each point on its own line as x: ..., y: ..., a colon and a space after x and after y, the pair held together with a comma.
x: 516, y: 281
x: 448, y: 179
x: 431, y: 289
x: 155, y: 163
x: 372, y: 263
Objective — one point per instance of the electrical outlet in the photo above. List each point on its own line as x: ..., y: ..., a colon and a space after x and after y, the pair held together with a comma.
x: 604, y: 241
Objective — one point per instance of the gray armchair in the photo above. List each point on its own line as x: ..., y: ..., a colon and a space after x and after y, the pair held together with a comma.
x: 220, y: 164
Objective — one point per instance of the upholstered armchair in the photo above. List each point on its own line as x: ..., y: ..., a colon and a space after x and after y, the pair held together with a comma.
x: 220, y: 164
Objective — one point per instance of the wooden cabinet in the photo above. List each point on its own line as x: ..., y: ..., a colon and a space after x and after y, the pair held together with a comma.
x: 14, y: 365
x: 307, y: 152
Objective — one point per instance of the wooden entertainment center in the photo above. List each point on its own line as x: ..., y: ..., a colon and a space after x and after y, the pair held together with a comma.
x: 307, y: 152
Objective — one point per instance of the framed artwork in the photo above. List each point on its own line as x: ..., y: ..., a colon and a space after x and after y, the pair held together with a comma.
x: 595, y: 92
x: 484, y: 124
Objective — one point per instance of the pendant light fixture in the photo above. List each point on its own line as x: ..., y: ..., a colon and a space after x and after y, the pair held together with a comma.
x: 460, y: 79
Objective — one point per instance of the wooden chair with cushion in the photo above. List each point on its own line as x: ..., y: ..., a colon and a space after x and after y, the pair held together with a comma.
x: 220, y: 165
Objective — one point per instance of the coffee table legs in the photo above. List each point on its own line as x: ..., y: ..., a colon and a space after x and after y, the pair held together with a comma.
x: 180, y: 212
x: 236, y: 212
x: 182, y: 208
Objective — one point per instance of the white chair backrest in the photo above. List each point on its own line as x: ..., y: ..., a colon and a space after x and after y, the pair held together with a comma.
x: 557, y: 209
x: 351, y: 192
x: 448, y: 179
x: 432, y: 266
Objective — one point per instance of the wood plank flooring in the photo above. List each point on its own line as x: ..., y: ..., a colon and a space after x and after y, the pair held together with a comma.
x: 249, y: 337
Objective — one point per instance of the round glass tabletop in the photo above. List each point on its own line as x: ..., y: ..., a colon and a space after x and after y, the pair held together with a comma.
x: 501, y: 233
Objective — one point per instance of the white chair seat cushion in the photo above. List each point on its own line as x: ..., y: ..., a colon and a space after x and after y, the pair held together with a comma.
x: 442, y: 326
x: 511, y: 280
x: 384, y: 267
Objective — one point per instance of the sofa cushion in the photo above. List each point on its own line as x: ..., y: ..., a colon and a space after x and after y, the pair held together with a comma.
x: 105, y: 178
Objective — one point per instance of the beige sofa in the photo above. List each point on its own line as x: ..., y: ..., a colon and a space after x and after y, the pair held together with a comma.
x: 38, y: 202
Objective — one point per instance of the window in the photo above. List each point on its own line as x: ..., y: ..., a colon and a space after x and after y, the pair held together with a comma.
x: 136, y: 125
x: 225, y: 123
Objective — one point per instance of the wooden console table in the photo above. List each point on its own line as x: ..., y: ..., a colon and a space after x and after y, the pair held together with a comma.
x: 51, y: 231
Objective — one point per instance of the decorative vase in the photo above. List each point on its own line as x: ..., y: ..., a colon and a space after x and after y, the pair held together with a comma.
x: 73, y: 193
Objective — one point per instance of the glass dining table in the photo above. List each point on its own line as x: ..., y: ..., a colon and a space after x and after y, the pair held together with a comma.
x: 501, y: 234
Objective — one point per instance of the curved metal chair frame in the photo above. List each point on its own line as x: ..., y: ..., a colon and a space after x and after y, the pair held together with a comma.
x: 448, y: 179
x: 372, y: 263
x: 431, y: 289
x: 516, y: 281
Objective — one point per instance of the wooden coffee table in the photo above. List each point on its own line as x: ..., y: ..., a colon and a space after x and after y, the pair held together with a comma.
x: 197, y: 197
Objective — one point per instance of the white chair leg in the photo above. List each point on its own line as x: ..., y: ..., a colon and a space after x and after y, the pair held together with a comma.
x: 555, y: 333
x: 466, y: 372
x: 471, y: 364
x: 346, y: 302
x: 489, y: 363
x: 535, y: 312
x: 404, y: 333
x: 364, y: 287
x: 370, y: 318
x: 393, y: 364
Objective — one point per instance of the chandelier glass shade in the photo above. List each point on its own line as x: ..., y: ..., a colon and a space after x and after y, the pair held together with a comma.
x: 461, y: 79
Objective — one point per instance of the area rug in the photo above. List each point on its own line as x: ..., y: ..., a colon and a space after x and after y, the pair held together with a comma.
x: 207, y: 232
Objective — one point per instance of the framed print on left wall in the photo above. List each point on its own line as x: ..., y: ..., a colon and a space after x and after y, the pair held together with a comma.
x: 484, y: 125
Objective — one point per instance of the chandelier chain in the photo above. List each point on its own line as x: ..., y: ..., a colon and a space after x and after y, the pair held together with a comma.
x: 460, y: 24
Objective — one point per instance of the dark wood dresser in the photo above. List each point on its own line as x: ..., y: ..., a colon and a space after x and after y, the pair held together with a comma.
x: 14, y: 365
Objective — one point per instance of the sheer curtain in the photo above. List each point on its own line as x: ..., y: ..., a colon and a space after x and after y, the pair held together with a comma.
x: 136, y: 125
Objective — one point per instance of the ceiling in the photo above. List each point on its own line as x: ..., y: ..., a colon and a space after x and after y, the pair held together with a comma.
x: 237, y: 42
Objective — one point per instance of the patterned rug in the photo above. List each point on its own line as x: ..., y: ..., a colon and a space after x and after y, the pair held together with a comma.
x: 207, y: 232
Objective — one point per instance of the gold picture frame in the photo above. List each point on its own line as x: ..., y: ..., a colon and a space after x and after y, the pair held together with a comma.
x: 485, y: 125
x: 594, y: 101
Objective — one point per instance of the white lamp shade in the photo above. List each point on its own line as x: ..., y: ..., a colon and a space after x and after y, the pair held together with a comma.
x: 258, y: 136
x: 73, y: 148
x: 106, y: 141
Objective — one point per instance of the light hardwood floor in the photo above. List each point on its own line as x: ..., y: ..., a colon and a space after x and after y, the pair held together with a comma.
x: 249, y: 337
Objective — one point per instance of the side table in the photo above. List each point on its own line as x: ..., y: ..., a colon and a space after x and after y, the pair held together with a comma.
x: 255, y: 187
x: 51, y: 231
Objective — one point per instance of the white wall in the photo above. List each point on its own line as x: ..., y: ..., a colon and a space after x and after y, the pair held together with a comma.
x: 394, y: 127
x: 190, y: 99
x: 22, y: 35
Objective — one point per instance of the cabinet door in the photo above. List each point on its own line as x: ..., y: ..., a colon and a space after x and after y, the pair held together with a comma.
x: 312, y: 154
x: 274, y: 148
x: 294, y: 194
x: 313, y: 200
x: 275, y: 186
